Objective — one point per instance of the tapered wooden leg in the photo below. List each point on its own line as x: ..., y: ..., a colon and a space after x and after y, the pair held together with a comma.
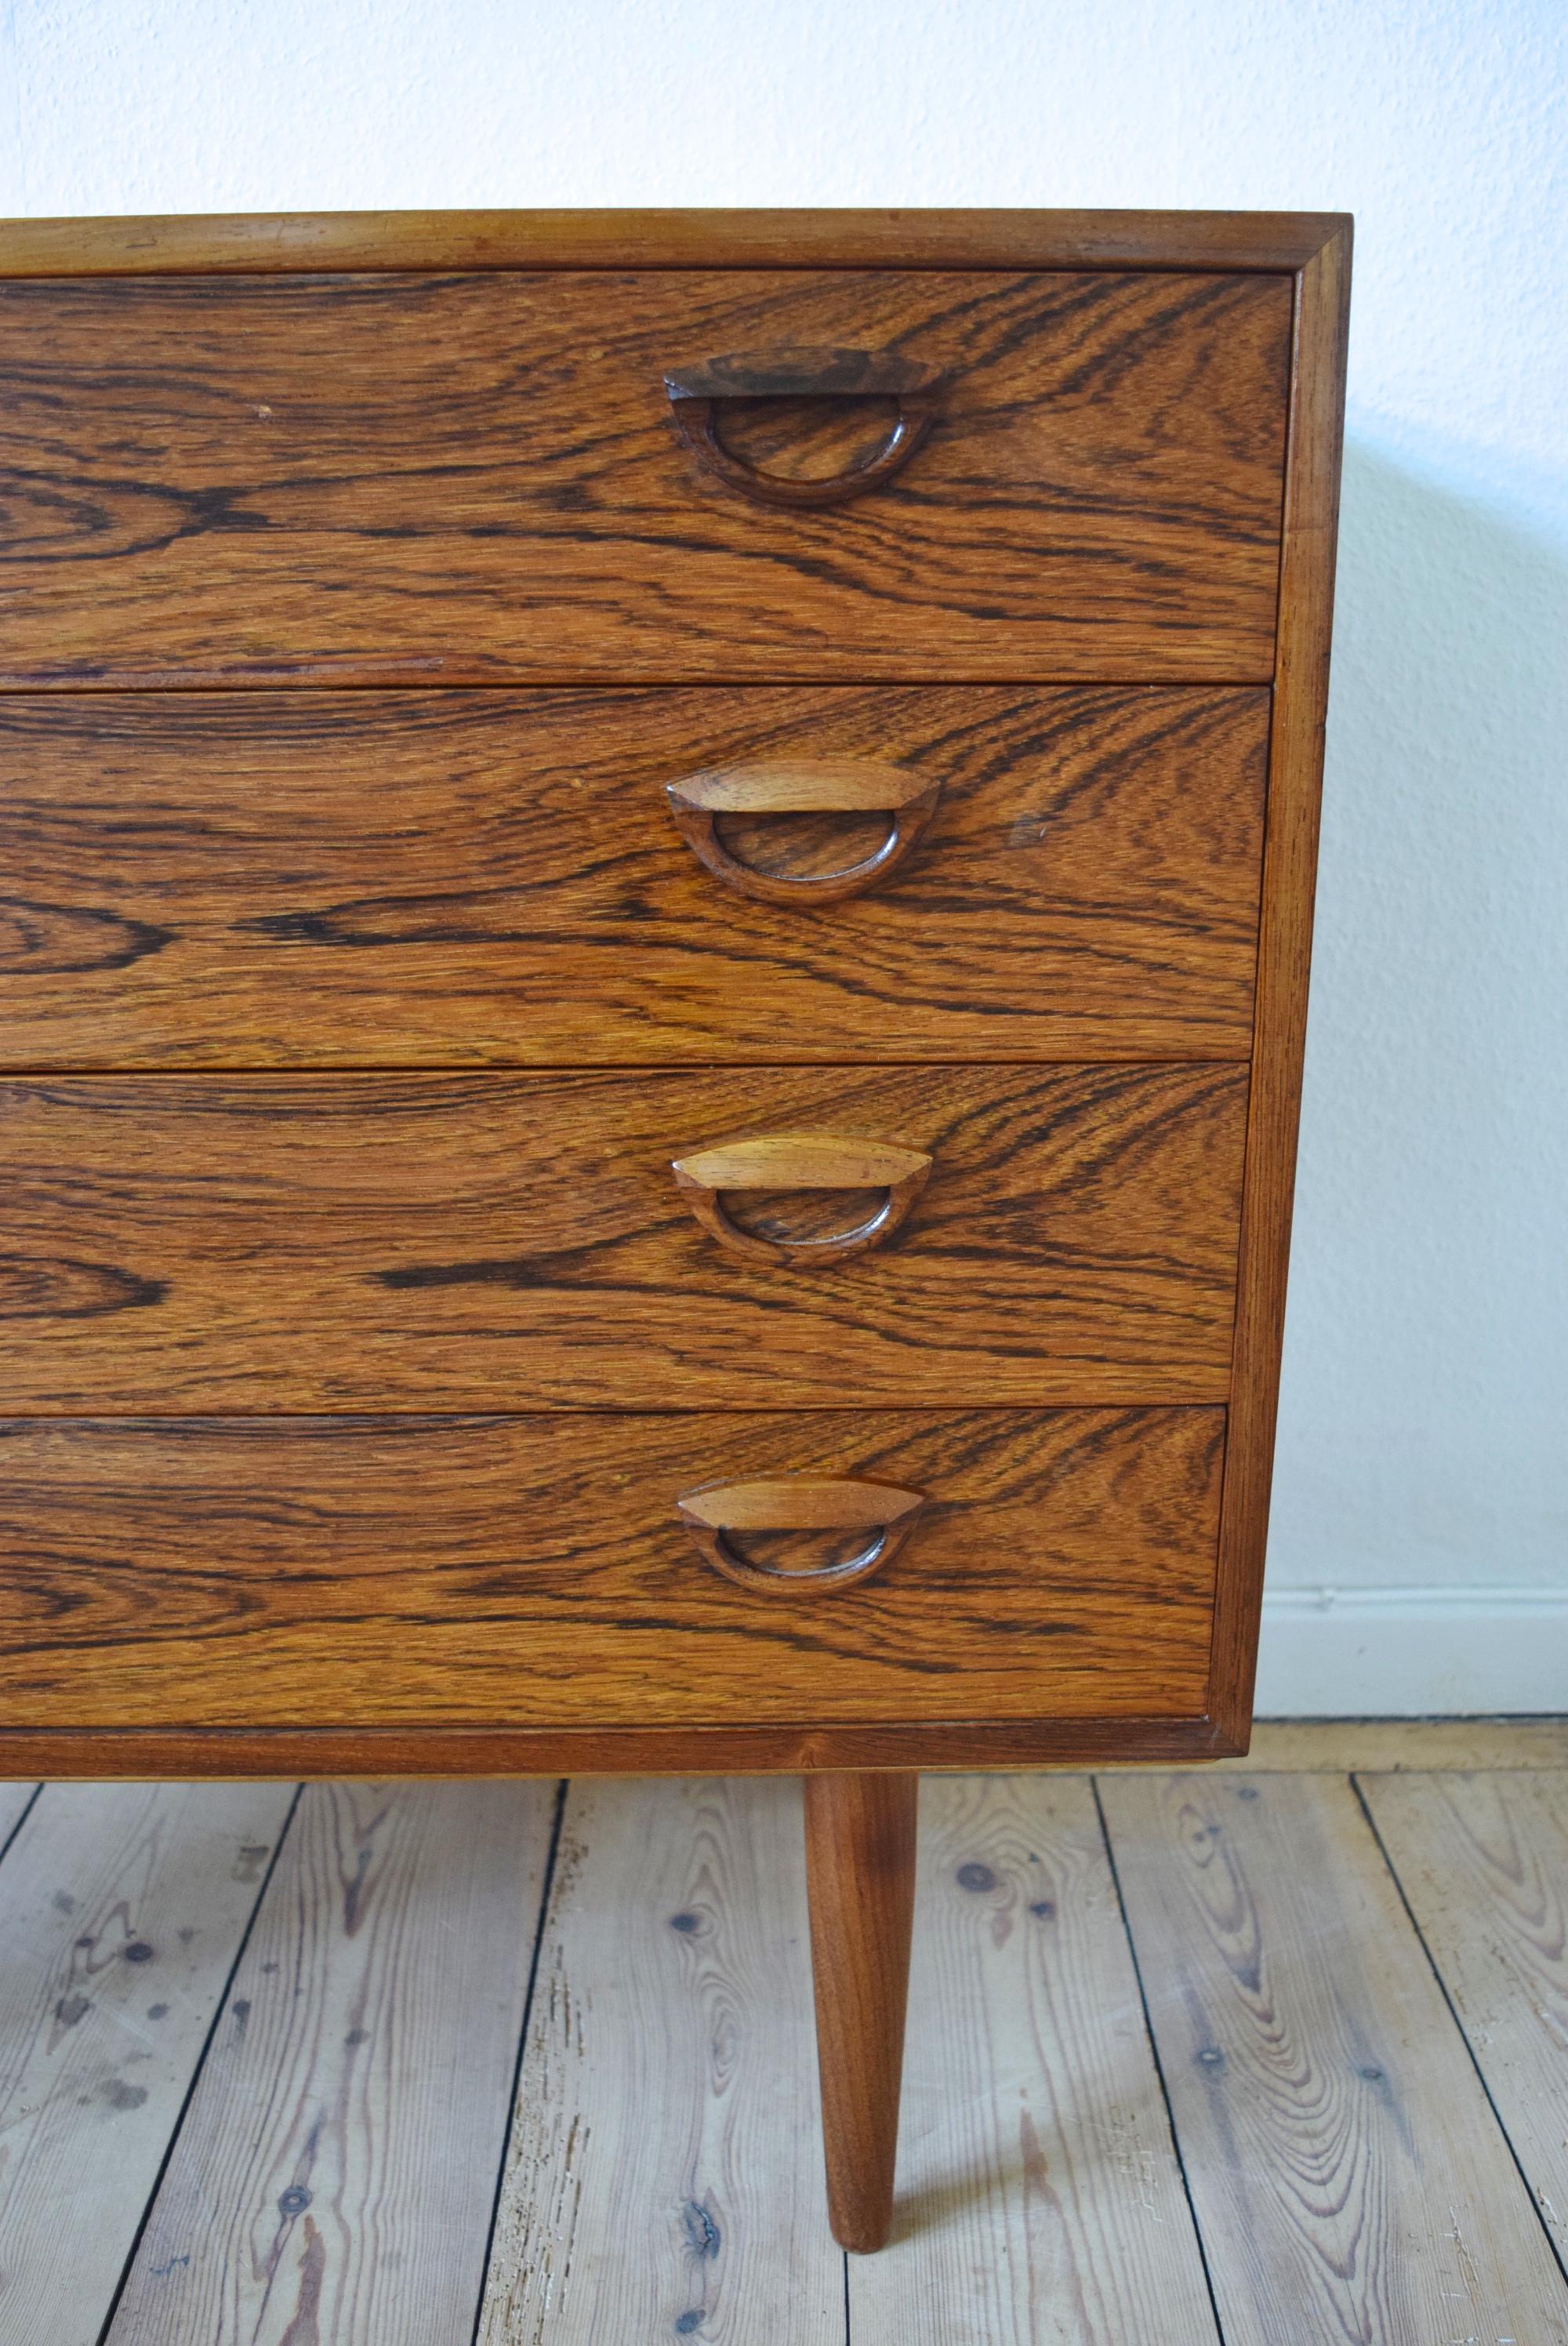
x: 861, y: 1872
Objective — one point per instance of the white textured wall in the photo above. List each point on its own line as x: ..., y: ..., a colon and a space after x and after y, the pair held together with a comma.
x: 1424, y: 1438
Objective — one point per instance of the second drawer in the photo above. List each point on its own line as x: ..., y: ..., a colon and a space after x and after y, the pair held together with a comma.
x: 1019, y: 1234
x: 439, y: 879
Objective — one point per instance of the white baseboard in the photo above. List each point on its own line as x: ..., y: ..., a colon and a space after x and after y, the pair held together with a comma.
x: 1405, y: 1653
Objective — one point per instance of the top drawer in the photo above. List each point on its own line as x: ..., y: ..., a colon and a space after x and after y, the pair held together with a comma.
x: 404, y: 479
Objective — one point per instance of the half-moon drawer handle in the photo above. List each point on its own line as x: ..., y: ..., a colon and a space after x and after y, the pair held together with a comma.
x: 802, y: 786
x: 803, y: 1161
x: 695, y: 394
x: 799, y: 1503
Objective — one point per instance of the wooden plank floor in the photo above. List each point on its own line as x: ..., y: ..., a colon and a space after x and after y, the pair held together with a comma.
x: 1270, y: 2055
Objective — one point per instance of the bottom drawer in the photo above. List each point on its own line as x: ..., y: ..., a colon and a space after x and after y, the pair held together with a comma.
x: 536, y: 1571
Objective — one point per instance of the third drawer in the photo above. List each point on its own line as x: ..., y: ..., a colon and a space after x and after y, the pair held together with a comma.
x: 915, y: 1234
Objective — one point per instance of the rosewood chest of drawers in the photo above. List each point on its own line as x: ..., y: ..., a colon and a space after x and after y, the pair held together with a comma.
x: 656, y: 876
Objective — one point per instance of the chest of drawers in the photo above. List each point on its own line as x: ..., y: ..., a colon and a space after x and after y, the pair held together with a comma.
x: 656, y: 877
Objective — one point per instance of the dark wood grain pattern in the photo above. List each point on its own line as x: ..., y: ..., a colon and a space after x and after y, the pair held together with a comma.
x: 333, y: 2177
x: 839, y: 786
x: 1285, y: 947
x: 449, y: 877
x: 878, y: 1186
x: 860, y: 1875
x: 872, y: 1521
x: 530, y: 1571
x: 702, y: 396
x: 469, y: 478
x: 190, y: 1243
x: 1345, y: 2170
x: 264, y: 452
x: 262, y: 243
x: 792, y: 1748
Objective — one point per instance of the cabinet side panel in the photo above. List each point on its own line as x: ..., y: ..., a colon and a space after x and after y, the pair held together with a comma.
x: 1291, y: 855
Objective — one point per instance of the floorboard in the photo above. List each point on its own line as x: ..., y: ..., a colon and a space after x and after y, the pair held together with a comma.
x: 340, y: 2081
x: 333, y: 2182
x: 1483, y: 1863
x: 122, y: 1908
x: 1039, y: 2195
x: 665, y: 2179
x: 1342, y: 1747
x: 1349, y: 2177
x: 15, y: 1800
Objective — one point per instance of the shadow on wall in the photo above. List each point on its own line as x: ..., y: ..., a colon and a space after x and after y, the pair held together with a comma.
x: 1421, y: 1438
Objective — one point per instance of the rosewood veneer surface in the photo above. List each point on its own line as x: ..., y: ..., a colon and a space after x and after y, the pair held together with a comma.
x: 351, y: 1036
x: 656, y: 882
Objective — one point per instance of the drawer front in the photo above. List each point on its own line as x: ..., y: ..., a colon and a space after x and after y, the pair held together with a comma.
x: 534, y: 1571
x: 448, y: 477
x: 484, y: 1241
x: 440, y: 878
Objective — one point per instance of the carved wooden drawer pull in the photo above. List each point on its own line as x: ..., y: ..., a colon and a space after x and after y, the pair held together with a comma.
x: 802, y: 786
x: 803, y: 1161
x: 799, y: 1503
x: 696, y: 394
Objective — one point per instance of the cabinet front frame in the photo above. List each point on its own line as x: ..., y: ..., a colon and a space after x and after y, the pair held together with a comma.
x: 1314, y: 250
